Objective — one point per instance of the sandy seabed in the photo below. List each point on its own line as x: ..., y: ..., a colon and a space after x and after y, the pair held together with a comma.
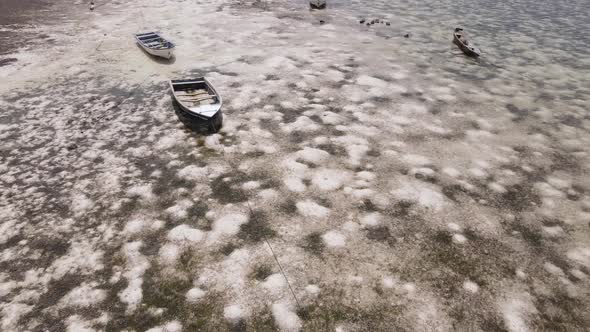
x: 361, y: 181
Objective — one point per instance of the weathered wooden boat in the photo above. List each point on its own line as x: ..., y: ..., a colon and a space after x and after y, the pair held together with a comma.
x: 155, y: 44
x: 317, y: 4
x: 198, y: 102
x: 460, y: 40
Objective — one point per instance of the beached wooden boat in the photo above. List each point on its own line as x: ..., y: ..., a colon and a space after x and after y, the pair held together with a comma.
x: 317, y: 4
x: 155, y: 45
x: 460, y: 40
x: 198, y: 101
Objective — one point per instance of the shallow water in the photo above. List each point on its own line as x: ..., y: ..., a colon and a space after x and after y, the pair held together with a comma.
x: 362, y: 180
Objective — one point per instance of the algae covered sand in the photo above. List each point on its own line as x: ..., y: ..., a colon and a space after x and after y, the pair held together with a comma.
x: 362, y: 181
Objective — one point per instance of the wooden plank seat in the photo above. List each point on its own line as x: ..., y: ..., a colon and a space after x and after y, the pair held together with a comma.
x: 196, y: 93
x: 196, y: 99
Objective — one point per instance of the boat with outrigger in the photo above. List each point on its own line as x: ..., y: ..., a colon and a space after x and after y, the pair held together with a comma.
x: 460, y: 40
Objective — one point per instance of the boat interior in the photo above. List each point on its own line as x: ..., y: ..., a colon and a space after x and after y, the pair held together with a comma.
x: 152, y: 40
x: 194, y: 93
x: 461, y: 38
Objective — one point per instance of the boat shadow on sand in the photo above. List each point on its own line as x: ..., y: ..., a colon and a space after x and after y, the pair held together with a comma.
x: 196, y: 125
x: 156, y: 59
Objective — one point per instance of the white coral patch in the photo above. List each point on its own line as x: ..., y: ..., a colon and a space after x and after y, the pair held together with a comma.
x: 134, y: 226
x: 459, y: 238
x: 313, y: 155
x: 185, y: 234
x: 416, y: 160
x: 142, y: 191
x: 81, y: 204
x: 580, y: 255
x: 274, y: 283
x: 179, y: 210
x: 470, y: 286
x: 85, y: 295
x: 227, y: 225
x: 371, y: 219
x: 286, y: 319
x: 137, y: 264
x: 233, y: 312
x: 303, y: 123
x: 294, y: 184
x: 193, y: 172
x: 195, y: 294
x: 371, y: 81
x: 172, y: 326
x: 330, y: 179
x: 334, y: 239
x: 309, y: 208
x: 250, y: 185
x: 517, y: 312
x: 425, y: 195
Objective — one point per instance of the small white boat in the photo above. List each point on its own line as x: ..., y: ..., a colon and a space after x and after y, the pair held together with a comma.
x: 198, y: 101
x: 155, y: 45
x: 317, y: 4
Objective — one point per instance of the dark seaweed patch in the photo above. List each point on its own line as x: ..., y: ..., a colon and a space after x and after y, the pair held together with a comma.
x: 7, y: 61
x: 329, y: 311
x: 453, y: 191
x: 518, y: 198
x: 560, y: 312
x: 297, y: 137
x: 566, y: 162
x: 257, y: 228
x: 447, y: 265
x: 272, y: 77
x: 313, y: 243
x: 51, y: 246
x: 262, y: 321
x: 56, y: 290
x: 368, y: 205
x: 261, y: 272
x: 289, y: 206
x: 570, y: 120
x: 373, y: 153
x: 381, y: 234
x: 520, y: 113
x: 228, y: 248
x: 189, y: 261
x: 401, y: 209
x: 169, y: 293
x: 229, y: 190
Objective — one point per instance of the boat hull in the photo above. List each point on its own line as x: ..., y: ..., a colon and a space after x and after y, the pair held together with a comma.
x: 464, y: 48
x: 197, y: 122
x: 164, y: 53
x: 317, y: 4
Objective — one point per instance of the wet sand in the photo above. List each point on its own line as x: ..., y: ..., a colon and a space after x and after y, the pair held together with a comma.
x: 362, y: 181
